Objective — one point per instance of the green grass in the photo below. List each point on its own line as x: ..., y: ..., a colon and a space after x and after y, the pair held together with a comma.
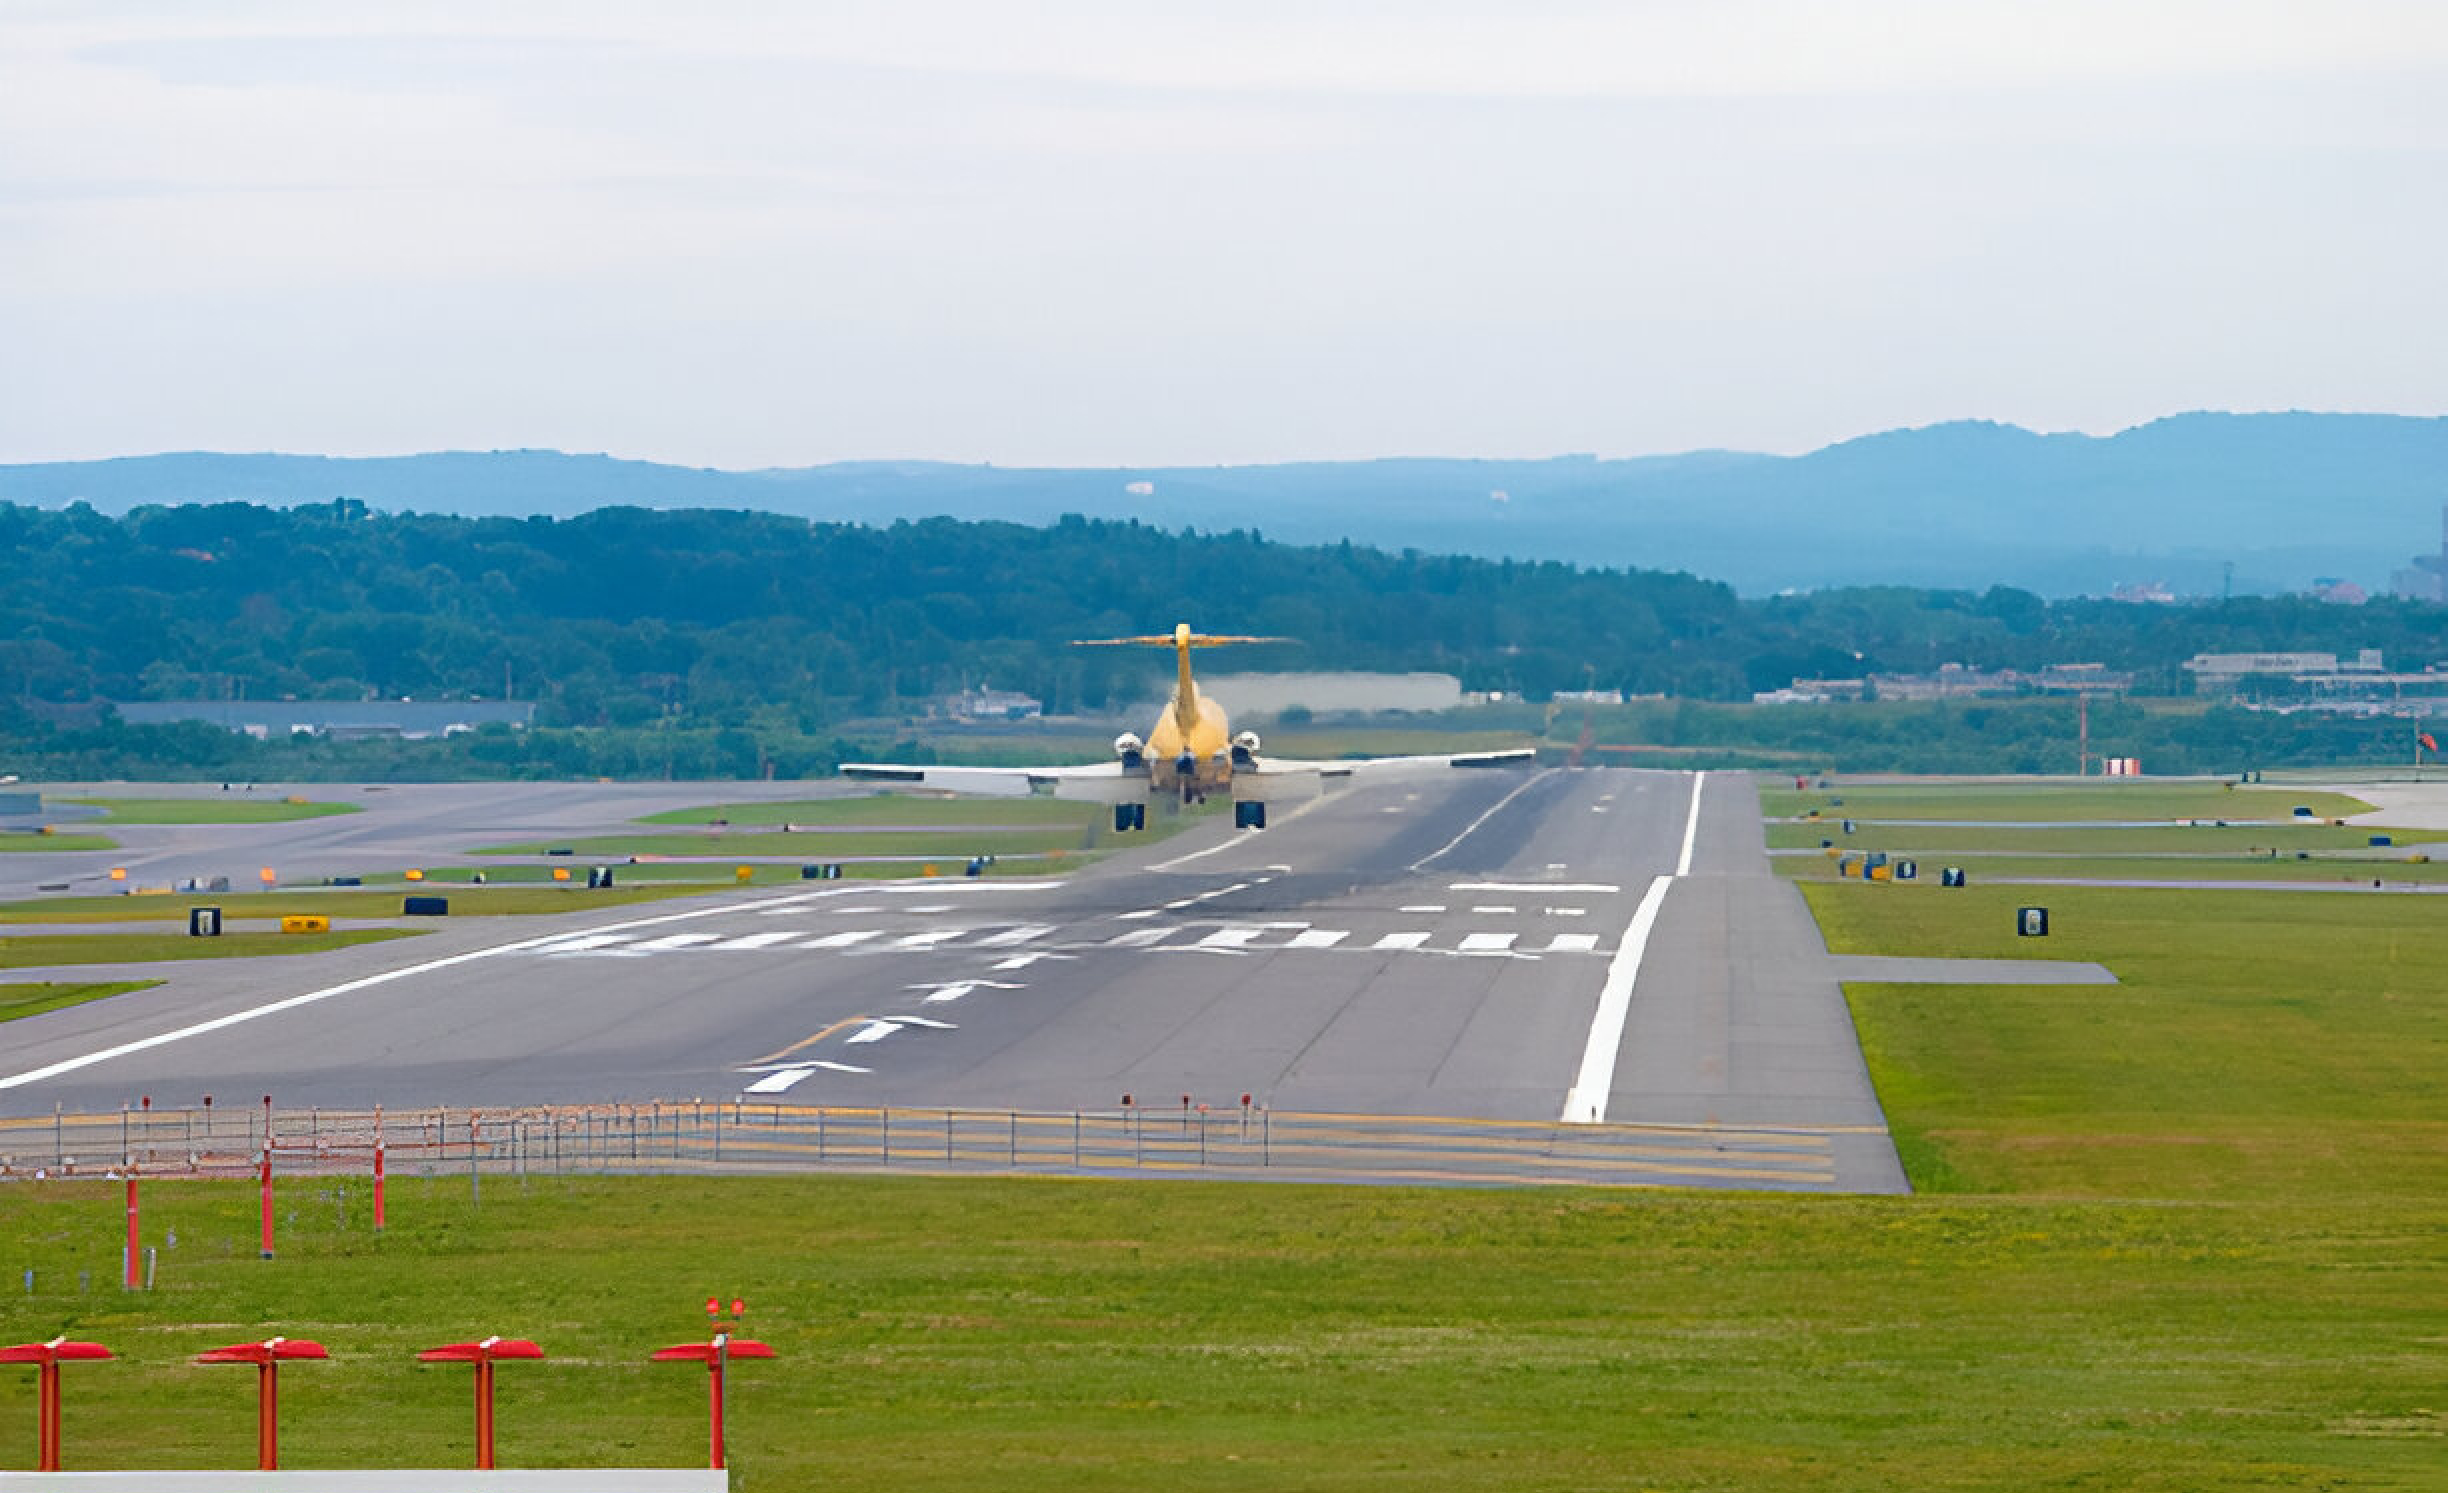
x: 894, y: 809
x: 466, y: 900
x: 946, y: 830
x: 30, y: 840
x: 827, y: 845
x: 210, y: 810
x: 34, y: 999
x: 1018, y: 1334
x: 41, y: 950
x: 1995, y: 801
x: 2343, y: 868
x: 2204, y: 839
x: 2259, y: 1045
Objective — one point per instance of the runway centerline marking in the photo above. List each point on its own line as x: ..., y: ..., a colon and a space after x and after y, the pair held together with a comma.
x: 1691, y: 827
x: 1550, y: 887
x: 1492, y: 810
x: 363, y: 982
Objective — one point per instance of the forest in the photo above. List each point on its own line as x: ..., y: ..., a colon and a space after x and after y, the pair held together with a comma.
x: 698, y: 642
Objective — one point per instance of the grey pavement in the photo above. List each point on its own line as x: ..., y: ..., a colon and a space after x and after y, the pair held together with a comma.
x: 1879, y: 969
x: 1431, y: 949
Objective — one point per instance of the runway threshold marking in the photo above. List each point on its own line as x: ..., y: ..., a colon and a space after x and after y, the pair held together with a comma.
x: 1585, y: 1103
x: 364, y: 982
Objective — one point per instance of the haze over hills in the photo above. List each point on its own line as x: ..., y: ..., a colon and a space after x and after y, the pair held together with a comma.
x: 2285, y: 498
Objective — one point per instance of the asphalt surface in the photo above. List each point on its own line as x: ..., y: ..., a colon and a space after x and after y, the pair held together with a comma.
x: 1497, y: 946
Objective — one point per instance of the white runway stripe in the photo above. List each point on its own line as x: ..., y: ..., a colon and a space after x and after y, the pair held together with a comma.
x: 1229, y: 938
x: 758, y: 940
x: 1138, y: 938
x: 1011, y: 936
x: 932, y: 939
x: 1400, y: 941
x: 1572, y: 943
x: 1487, y: 943
x: 672, y: 941
x: 584, y: 942
x: 1317, y: 938
x: 1586, y: 1102
x: 841, y: 940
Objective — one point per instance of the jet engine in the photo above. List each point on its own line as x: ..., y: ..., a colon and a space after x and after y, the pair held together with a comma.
x: 1245, y: 750
x: 1127, y: 747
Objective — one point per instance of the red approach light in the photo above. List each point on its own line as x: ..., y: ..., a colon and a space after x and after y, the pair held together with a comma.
x: 488, y: 1351
x: 716, y: 1356
x: 58, y: 1350
x: 483, y: 1355
x: 279, y: 1349
x: 738, y: 1347
x: 267, y: 1356
x: 47, y: 1357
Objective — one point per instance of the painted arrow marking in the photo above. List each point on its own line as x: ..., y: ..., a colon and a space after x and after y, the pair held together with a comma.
x: 954, y: 989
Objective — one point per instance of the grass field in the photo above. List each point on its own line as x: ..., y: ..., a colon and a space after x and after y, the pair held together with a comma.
x: 2344, y: 868
x: 2259, y: 1045
x: 895, y: 809
x: 40, y: 950
x: 34, y: 999
x: 2006, y: 802
x: 465, y: 901
x: 2233, y: 840
x: 956, y: 1334
x: 947, y: 830
x: 816, y: 846
x: 29, y: 840
x: 210, y: 810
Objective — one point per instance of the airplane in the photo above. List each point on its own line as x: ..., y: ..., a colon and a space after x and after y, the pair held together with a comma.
x: 1189, y: 753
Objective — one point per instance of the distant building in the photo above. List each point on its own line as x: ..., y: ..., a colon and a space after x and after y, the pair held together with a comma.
x: 2080, y: 679
x: 409, y: 720
x: 1953, y: 682
x: 984, y: 704
x: 1813, y: 692
x: 2362, y: 685
x: 2143, y: 591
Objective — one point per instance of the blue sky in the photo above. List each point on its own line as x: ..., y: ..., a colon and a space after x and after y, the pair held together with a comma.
x: 745, y: 235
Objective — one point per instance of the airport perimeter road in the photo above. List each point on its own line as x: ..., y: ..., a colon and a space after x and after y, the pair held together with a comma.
x: 400, y: 825
x: 1453, y: 945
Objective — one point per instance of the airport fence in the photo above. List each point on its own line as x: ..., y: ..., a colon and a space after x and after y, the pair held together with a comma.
x: 745, y: 1137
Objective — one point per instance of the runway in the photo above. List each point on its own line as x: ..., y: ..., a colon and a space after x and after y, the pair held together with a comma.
x: 1464, y: 946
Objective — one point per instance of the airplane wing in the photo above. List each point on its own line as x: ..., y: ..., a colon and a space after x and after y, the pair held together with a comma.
x: 1274, y: 775
x: 1097, y: 782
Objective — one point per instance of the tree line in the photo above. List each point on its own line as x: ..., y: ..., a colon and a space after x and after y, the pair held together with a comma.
x: 743, y: 640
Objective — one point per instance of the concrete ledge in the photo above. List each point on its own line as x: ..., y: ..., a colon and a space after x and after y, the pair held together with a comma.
x: 385, y: 1480
x: 1873, y: 969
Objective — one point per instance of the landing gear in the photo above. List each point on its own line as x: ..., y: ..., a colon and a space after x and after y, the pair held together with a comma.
x: 1249, y: 814
x: 1128, y: 817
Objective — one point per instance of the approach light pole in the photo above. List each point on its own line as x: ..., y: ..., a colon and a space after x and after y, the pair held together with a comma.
x: 47, y: 1357
x: 266, y: 1356
x: 716, y: 1355
x: 483, y: 1354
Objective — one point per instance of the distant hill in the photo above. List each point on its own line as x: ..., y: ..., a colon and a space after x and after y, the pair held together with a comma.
x: 2285, y: 498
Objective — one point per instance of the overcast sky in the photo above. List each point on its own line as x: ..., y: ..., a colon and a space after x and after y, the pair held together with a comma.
x: 748, y: 235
